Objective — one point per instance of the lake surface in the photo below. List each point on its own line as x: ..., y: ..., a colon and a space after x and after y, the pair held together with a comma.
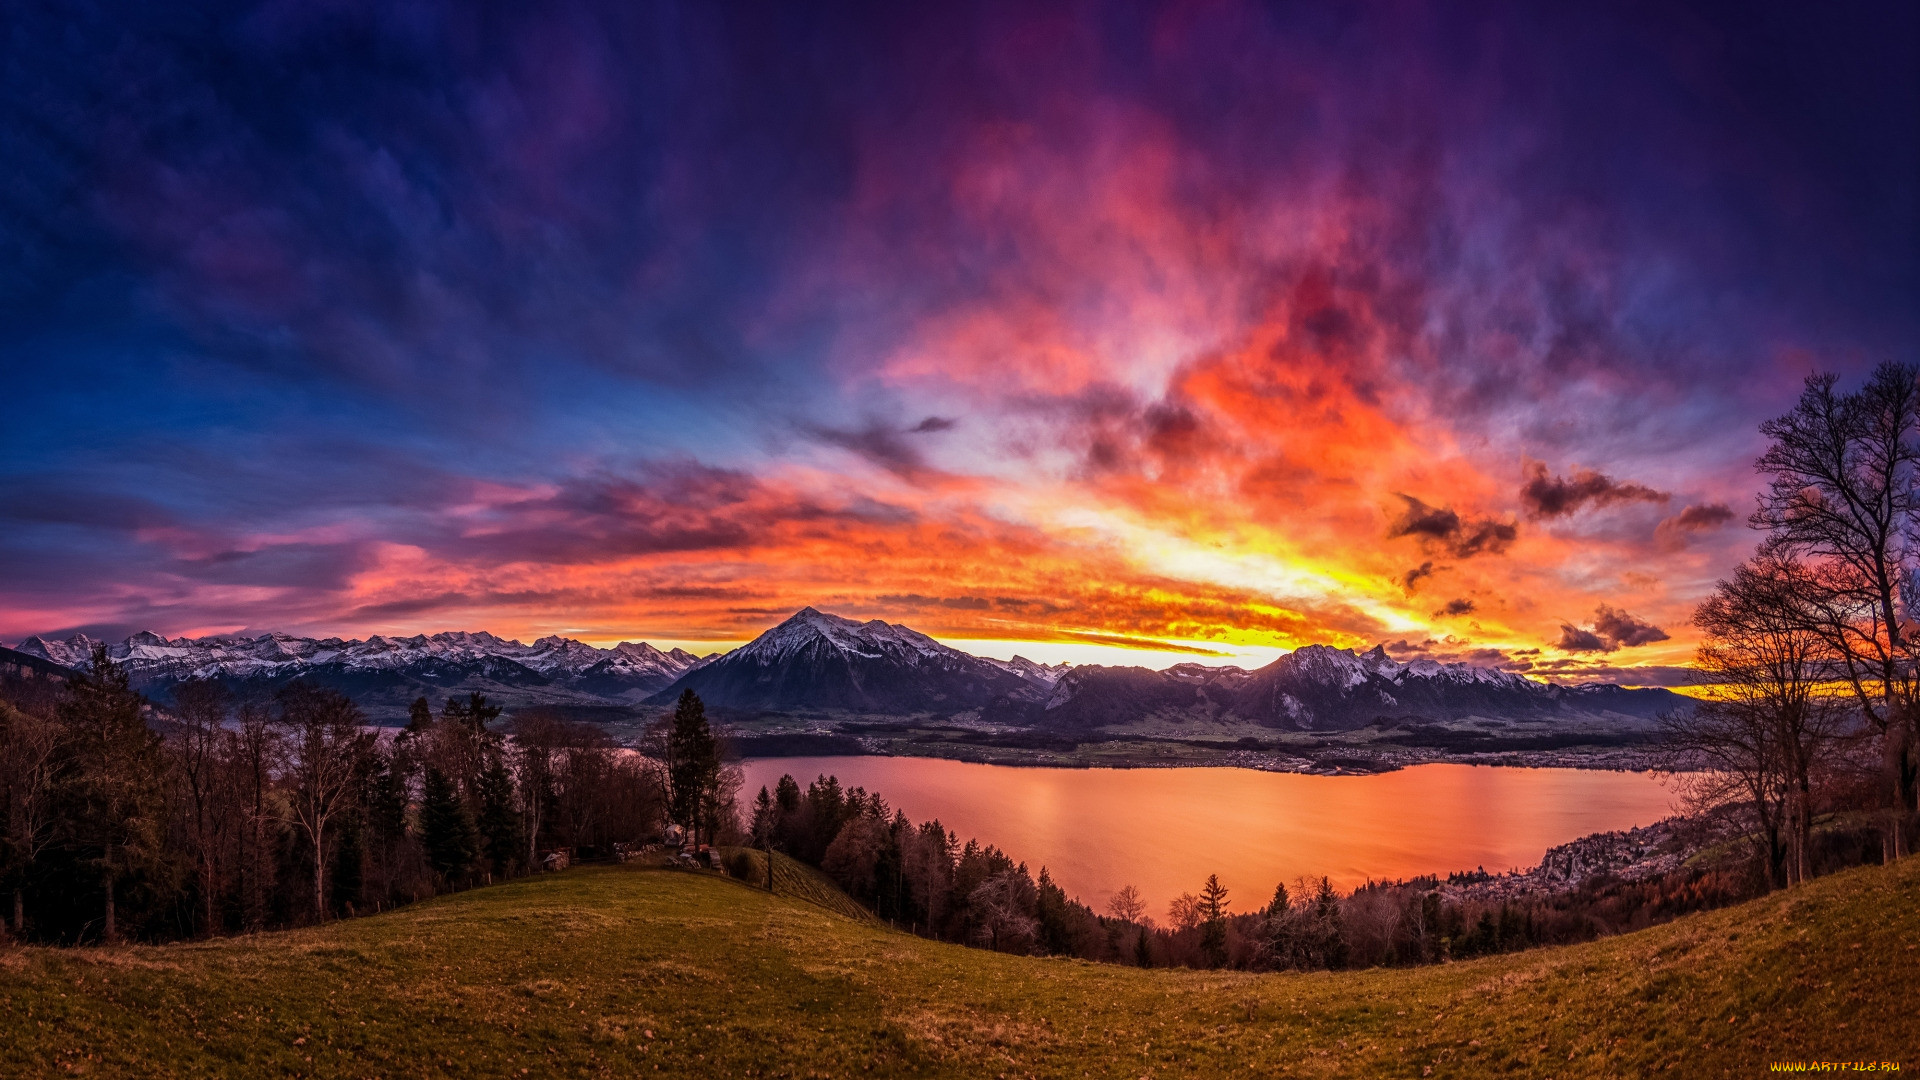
x: 1164, y: 830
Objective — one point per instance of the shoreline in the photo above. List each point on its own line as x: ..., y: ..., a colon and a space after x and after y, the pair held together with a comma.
x: 1156, y: 754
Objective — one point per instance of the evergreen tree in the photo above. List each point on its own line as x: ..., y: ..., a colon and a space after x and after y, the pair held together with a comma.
x: 826, y: 811
x: 765, y: 824
x: 1050, y: 908
x: 1142, y: 956
x: 1281, y: 901
x: 386, y: 820
x: 693, y: 763
x: 111, y: 786
x: 1332, y: 935
x: 349, y: 862
x: 419, y: 718
x: 786, y: 805
x: 446, y: 829
x: 1213, y: 931
x: 463, y: 742
x: 499, y: 815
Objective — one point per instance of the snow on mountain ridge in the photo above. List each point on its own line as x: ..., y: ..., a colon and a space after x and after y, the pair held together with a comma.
x: 278, y: 653
x: 1047, y: 675
x: 872, y: 639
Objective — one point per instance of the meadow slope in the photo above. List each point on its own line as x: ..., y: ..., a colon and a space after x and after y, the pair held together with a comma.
x: 616, y: 971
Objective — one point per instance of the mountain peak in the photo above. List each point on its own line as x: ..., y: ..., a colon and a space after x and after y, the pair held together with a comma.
x: 816, y: 659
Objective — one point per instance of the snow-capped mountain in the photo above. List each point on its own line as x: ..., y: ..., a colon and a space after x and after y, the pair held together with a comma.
x: 1037, y: 673
x: 1319, y: 687
x: 819, y: 661
x: 552, y: 670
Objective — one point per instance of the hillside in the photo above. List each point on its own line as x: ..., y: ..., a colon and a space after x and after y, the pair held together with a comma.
x: 605, y: 971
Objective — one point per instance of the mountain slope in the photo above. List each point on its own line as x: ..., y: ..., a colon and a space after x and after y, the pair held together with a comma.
x: 816, y: 662
x: 1320, y: 688
x: 385, y: 673
x: 620, y: 971
x: 819, y: 661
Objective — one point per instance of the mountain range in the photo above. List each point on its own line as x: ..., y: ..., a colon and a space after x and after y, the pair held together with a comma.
x: 815, y: 663
x: 385, y: 673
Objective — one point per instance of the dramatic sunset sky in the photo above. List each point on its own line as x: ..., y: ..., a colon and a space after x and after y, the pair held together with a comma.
x: 1217, y: 327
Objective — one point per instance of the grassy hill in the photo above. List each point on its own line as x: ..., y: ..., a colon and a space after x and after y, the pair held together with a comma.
x: 791, y: 877
x: 620, y: 971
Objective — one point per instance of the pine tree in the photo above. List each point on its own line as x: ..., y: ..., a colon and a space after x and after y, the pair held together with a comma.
x: 786, y: 805
x: 349, y: 862
x: 386, y: 820
x: 1213, y: 932
x: 1333, y: 938
x: 1050, y: 908
x: 112, y: 780
x: 499, y: 815
x: 1278, y: 929
x: 693, y: 763
x: 1141, y: 954
x: 419, y: 717
x: 765, y: 823
x: 446, y: 829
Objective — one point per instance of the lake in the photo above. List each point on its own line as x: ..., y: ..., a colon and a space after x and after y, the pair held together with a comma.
x: 1164, y: 830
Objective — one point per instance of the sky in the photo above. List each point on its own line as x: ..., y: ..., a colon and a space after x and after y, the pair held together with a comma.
x: 1124, y: 333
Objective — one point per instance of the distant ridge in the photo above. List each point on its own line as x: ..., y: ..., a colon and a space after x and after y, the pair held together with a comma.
x: 1321, y: 688
x: 384, y: 673
x: 818, y: 662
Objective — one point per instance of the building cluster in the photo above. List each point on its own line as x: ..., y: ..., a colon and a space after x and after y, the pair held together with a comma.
x: 1636, y: 854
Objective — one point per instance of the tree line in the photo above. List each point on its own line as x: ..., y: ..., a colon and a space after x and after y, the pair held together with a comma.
x: 122, y: 820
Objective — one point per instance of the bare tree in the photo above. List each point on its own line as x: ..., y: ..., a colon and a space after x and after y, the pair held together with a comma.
x: 537, y: 739
x: 1004, y: 904
x: 27, y: 744
x: 255, y: 753
x: 327, y: 747
x: 1768, y: 716
x: 203, y: 707
x: 1126, y: 905
x: 1841, y: 498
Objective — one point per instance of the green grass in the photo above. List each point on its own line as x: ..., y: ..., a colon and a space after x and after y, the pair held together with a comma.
x: 791, y: 877
x: 623, y: 971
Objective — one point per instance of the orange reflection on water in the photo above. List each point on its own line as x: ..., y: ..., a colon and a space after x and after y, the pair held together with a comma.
x: 1165, y: 830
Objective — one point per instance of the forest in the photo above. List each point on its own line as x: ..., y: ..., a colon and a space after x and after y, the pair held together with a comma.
x: 123, y: 820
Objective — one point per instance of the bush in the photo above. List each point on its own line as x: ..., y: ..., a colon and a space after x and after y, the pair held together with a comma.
x: 740, y: 864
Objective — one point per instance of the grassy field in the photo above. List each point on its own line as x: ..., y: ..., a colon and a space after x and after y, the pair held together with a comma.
x: 620, y: 971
